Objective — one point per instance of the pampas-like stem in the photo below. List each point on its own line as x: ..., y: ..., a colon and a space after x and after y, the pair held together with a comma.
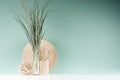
x: 32, y: 21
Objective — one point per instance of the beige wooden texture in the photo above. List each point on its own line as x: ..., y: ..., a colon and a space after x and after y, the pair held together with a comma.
x: 46, y: 48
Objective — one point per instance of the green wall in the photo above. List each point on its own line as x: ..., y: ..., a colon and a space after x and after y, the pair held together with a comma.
x: 86, y: 34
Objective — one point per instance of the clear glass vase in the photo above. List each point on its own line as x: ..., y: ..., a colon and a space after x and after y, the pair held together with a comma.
x: 36, y: 65
x: 40, y: 66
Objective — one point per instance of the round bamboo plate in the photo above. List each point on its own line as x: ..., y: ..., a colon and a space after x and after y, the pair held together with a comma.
x: 46, y: 48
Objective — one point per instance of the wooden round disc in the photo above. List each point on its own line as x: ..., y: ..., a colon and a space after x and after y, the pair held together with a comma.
x: 46, y: 47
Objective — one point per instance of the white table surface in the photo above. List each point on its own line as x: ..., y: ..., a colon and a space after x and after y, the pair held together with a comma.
x: 60, y: 77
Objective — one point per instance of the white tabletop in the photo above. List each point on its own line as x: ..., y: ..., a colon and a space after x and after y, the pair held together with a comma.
x: 60, y: 77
